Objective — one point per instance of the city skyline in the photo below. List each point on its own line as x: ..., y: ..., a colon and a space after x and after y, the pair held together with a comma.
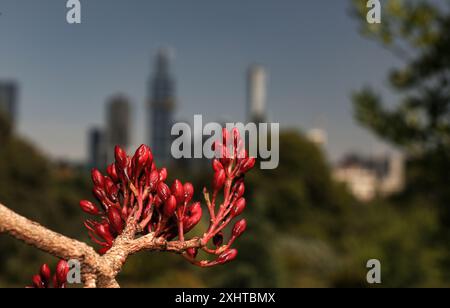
x: 161, y: 105
x: 307, y: 87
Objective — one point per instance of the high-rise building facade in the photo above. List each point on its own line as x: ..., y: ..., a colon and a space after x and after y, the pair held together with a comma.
x: 161, y: 107
x: 118, y: 121
x: 97, y: 148
x: 256, y: 93
x: 8, y: 100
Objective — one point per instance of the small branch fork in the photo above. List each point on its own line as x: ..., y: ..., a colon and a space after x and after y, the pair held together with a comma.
x: 97, y: 271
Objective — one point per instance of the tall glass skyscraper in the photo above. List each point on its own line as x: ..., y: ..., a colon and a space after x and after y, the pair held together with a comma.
x: 97, y: 148
x: 118, y: 124
x: 256, y: 93
x: 8, y: 100
x: 162, y: 105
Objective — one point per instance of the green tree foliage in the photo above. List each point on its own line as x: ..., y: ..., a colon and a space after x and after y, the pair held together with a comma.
x: 37, y: 189
x: 419, y: 123
x: 418, y: 31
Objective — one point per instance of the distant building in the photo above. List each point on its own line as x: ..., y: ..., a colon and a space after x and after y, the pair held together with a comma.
x: 256, y: 94
x: 9, y: 100
x: 161, y: 107
x: 97, y: 148
x: 368, y: 178
x: 318, y: 137
x: 118, y: 121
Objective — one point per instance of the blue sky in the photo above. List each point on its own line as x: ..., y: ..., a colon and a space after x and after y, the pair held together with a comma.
x: 311, y: 48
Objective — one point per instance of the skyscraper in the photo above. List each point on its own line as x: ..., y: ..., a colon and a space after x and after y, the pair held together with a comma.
x: 8, y: 100
x: 97, y: 148
x: 161, y: 107
x: 118, y: 119
x: 256, y: 94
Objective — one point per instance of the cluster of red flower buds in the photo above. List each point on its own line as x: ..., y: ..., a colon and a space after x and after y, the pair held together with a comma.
x: 45, y: 280
x: 135, y: 191
x: 231, y: 164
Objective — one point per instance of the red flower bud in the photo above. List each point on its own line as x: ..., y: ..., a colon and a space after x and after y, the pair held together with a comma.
x: 188, y: 191
x: 217, y: 166
x: 62, y: 269
x: 240, y: 190
x: 248, y: 164
x: 121, y: 158
x: 55, y: 282
x: 163, y: 174
x: 178, y: 191
x: 99, y: 193
x: 141, y: 157
x: 115, y: 219
x: 193, y: 217
x: 97, y: 178
x: 227, y: 256
x: 163, y: 191
x: 89, y: 208
x: 153, y: 167
x: 196, y: 209
x: 37, y: 282
x: 170, y: 206
x: 238, y: 207
x: 239, y: 228
x: 154, y: 178
x: 45, y: 274
x: 219, y: 180
x: 112, y: 172
x: 218, y: 239
x: 192, y: 252
x: 111, y: 189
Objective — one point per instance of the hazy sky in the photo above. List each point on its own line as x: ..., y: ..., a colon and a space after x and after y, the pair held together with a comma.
x: 311, y: 48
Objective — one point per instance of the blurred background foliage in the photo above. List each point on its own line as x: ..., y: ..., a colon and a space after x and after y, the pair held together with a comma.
x: 305, y: 230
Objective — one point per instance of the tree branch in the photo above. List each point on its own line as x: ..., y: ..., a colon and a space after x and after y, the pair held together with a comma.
x: 150, y: 242
x: 46, y: 240
x: 97, y: 271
